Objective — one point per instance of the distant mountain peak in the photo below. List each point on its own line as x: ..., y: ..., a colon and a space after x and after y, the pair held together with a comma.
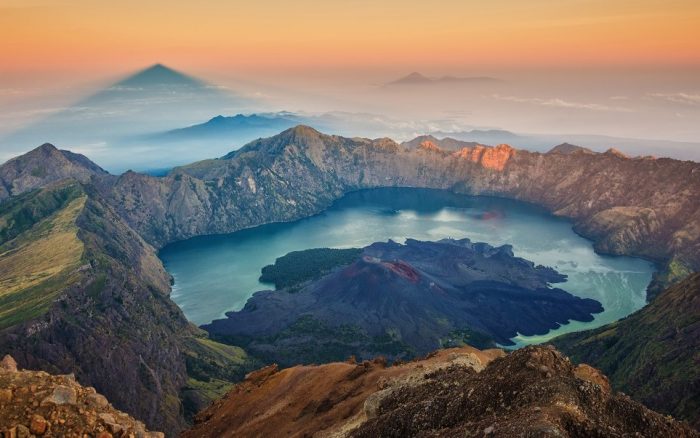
x: 412, y: 78
x: 416, y: 78
x: 568, y: 148
x: 159, y: 74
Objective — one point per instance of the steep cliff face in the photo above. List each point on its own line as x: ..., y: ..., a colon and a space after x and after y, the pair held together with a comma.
x: 535, y: 391
x: 643, y: 207
x: 652, y: 354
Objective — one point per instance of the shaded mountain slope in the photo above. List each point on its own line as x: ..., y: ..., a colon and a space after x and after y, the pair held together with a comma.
x: 653, y: 354
x: 535, y: 391
x: 404, y: 300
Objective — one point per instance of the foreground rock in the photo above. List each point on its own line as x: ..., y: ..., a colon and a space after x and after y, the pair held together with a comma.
x: 324, y: 399
x: 535, y: 391
x: 35, y: 403
x: 404, y: 300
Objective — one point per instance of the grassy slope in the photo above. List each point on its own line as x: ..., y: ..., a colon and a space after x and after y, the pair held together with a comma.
x: 212, y: 368
x: 41, y: 253
x: 653, y: 354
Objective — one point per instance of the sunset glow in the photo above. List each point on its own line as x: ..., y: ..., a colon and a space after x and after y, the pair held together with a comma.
x: 84, y: 34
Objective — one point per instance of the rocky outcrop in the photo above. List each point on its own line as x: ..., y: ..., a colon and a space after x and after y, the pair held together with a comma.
x: 640, y: 207
x: 402, y: 301
x: 652, y: 354
x: 42, y: 166
x: 36, y: 403
x: 323, y: 400
x: 535, y: 391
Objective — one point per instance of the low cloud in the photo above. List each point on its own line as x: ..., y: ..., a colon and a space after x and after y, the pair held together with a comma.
x: 682, y: 98
x: 561, y: 103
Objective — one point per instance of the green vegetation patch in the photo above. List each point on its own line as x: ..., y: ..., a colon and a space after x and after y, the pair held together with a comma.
x: 212, y: 369
x: 43, y: 258
x: 301, y: 266
x: 23, y: 212
x: 466, y: 336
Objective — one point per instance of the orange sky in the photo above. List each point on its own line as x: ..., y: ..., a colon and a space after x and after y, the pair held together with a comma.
x: 95, y: 35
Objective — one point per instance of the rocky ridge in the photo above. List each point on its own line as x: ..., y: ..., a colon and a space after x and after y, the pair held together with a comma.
x: 641, y: 207
x: 36, y: 403
x: 535, y: 391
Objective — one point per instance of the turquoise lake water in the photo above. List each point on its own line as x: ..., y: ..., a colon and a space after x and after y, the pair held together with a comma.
x: 216, y: 274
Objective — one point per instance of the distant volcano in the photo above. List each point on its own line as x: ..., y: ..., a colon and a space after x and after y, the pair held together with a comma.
x: 154, y: 99
x: 416, y: 78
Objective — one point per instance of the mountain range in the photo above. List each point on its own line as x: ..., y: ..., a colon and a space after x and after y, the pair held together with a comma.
x: 94, y: 299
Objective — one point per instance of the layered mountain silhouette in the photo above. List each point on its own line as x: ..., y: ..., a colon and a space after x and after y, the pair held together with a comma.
x: 234, y: 127
x: 154, y: 99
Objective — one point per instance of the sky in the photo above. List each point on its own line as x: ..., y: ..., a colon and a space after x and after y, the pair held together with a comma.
x: 611, y: 67
x: 90, y: 36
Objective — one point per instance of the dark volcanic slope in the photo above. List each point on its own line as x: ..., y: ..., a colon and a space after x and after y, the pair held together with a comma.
x: 533, y: 392
x: 643, y: 207
x: 654, y: 354
x: 403, y: 300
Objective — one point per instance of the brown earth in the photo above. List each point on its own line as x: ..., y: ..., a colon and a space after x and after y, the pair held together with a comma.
x: 304, y: 400
x: 535, y: 391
